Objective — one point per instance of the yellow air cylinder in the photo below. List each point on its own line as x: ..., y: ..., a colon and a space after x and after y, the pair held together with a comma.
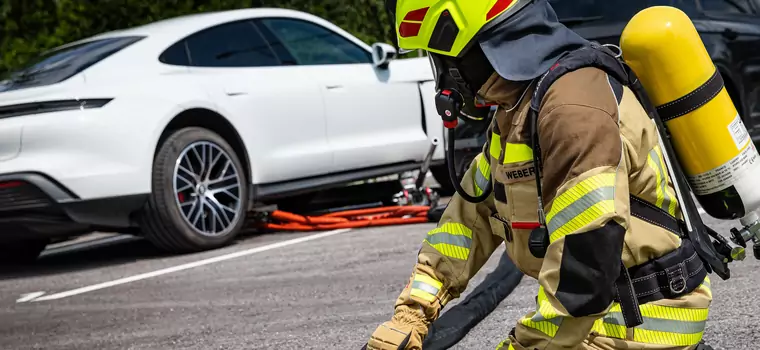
x: 712, y: 145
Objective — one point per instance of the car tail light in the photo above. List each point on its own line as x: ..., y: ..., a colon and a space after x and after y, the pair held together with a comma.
x: 11, y: 184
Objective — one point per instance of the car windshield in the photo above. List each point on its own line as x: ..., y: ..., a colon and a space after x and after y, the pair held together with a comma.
x: 60, y: 64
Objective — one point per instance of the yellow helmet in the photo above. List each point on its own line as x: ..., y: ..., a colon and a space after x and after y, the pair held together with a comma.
x: 446, y: 27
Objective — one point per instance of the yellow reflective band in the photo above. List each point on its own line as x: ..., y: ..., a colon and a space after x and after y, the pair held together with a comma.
x: 428, y: 280
x: 705, y: 286
x: 662, y: 325
x: 665, y: 199
x: 545, y: 327
x: 423, y: 295
x: 425, y: 287
x: 495, y: 148
x: 671, y: 200
x: 546, y: 320
x: 666, y: 338
x: 482, y: 176
x: 451, y: 239
x: 517, y: 152
x: 505, y: 345
x: 608, y: 330
x: 581, y: 204
x: 669, y: 313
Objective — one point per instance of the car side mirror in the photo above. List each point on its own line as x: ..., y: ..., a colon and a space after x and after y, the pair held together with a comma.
x: 382, y: 54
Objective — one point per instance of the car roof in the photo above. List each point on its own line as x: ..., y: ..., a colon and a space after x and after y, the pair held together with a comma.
x: 176, y: 28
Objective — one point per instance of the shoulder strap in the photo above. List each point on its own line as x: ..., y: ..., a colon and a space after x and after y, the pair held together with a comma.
x: 595, y: 55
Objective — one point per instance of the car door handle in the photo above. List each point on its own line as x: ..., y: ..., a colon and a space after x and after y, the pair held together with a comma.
x: 332, y: 87
x: 236, y: 93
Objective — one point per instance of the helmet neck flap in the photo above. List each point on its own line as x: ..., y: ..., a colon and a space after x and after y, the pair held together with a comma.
x: 527, y: 44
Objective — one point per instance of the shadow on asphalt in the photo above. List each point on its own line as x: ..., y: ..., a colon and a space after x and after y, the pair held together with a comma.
x: 85, y: 259
x: 89, y: 256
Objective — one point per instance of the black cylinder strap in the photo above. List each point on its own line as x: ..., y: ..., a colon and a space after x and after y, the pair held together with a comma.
x: 693, y: 100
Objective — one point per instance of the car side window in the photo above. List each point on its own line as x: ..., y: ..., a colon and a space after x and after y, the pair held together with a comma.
x: 176, y: 55
x: 727, y: 6
x: 312, y: 44
x: 236, y: 44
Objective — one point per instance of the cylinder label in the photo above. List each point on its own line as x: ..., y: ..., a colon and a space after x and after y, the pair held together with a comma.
x: 738, y: 132
x: 727, y: 174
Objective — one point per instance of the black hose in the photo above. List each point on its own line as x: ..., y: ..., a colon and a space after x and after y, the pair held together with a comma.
x: 450, y: 160
x: 454, y: 324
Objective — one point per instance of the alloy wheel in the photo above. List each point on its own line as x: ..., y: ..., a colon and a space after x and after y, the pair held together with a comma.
x: 207, y: 188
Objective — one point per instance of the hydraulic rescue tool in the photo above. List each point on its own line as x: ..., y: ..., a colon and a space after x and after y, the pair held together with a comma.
x: 414, y: 192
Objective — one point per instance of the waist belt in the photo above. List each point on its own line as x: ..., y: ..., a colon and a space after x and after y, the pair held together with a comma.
x: 675, y: 274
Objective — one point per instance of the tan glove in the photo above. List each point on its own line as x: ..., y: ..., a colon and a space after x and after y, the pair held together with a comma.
x: 405, y: 331
x: 414, y: 311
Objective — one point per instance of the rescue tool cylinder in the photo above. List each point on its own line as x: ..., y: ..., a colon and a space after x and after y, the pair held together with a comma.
x: 711, y: 143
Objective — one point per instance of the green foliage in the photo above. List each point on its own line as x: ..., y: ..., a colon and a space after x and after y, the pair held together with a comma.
x: 30, y: 27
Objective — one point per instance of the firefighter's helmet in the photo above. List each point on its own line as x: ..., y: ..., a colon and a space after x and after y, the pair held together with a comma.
x: 446, y: 27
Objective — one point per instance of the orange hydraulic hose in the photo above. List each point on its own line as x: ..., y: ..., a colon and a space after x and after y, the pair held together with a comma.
x: 350, y: 224
x: 378, y: 210
x: 382, y: 216
x: 285, y: 216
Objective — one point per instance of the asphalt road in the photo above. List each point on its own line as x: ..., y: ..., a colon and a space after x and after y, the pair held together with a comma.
x: 321, y: 291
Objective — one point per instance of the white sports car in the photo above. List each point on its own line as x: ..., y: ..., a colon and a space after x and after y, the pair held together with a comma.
x: 176, y: 128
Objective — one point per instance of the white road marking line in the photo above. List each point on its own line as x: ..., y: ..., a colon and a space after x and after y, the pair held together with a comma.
x: 29, y: 297
x: 189, y: 265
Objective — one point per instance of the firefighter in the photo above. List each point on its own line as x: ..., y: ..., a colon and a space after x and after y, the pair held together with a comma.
x: 614, y: 272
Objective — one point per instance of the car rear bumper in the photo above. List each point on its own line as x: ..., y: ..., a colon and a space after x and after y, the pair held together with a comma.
x: 33, y: 205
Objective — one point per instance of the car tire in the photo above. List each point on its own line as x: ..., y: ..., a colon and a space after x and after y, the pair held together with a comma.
x: 21, y: 252
x: 192, y: 208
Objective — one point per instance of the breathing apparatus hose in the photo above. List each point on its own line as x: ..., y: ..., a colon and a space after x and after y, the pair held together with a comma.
x: 450, y: 161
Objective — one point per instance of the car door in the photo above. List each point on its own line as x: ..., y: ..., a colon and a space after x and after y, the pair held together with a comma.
x: 255, y: 88
x: 371, y: 119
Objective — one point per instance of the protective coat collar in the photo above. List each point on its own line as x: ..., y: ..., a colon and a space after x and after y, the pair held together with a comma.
x: 526, y: 45
x: 502, y: 92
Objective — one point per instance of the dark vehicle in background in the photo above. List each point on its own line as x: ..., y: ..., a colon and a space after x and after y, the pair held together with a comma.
x: 730, y: 30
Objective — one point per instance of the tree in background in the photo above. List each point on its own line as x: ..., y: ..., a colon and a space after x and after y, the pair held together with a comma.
x: 30, y: 27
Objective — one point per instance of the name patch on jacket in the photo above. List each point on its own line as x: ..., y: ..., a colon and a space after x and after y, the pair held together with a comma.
x: 509, y: 175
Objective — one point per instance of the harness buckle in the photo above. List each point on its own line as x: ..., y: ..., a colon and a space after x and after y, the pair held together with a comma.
x: 676, y: 279
x: 679, y: 287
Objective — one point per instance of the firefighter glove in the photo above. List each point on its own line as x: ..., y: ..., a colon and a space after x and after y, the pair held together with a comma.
x: 398, y: 334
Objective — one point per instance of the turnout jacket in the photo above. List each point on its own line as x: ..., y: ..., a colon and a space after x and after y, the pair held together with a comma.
x: 600, y: 151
